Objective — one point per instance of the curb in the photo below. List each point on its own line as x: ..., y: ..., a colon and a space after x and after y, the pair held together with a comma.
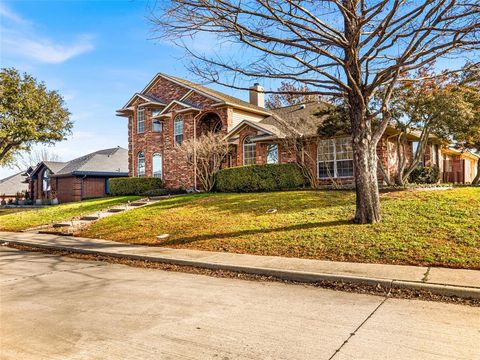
x: 290, y: 275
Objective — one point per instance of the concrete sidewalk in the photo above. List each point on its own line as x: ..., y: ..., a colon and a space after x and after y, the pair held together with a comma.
x: 442, y: 281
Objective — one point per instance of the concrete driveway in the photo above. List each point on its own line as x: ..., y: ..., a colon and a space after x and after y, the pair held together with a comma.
x: 56, y: 308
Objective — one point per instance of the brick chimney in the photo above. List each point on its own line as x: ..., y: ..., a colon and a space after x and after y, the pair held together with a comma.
x: 257, y: 95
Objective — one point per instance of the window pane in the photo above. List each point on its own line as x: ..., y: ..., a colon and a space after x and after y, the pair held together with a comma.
x: 325, y: 169
x: 272, y: 154
x: 157, y: 165
x: 343, y: 149
x: 249, y: 152
x: 326, y: 150
x: 178, y: 130
x: 140, y: 120
x: 141, y: 164
x: 156, y: 126
x: 345, y: 168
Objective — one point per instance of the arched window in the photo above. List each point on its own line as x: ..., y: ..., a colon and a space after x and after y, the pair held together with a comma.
x: 46, y: 184
x: 249, y: 151
x: 178, y: 130
x: 141, y: 164
x: 157, y: 166
x: 218, y: 127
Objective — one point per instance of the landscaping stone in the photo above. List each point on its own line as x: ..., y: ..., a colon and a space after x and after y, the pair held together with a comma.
x: 90, y: 217
x: 65, y: 224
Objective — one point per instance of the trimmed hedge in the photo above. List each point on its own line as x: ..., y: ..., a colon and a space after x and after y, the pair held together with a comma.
x: 134, y: 185
x: 256, y: 178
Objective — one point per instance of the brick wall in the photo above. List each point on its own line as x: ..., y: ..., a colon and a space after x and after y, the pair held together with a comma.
x: 177, y: 173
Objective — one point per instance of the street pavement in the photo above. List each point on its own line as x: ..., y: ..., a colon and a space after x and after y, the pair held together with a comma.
x: 54, y: 307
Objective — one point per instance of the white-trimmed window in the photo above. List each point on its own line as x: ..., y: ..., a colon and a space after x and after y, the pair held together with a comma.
x: 335, y: 158
x: 178, y: 130
x: 140, y: 120
x: 249, y: 151
x: 272, y: 154
x: 46, y: 183
x: 141, y: 164
x: 156, y: 125
x: 157, y: 165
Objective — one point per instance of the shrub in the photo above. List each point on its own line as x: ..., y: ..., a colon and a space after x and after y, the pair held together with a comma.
x: 163, y: 192
x: 134, y: 185
x: 259, y: 178
x: 425, y: 175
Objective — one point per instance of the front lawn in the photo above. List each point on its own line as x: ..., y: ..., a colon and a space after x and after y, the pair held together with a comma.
x: 20, y: 220
x: 421, y: 227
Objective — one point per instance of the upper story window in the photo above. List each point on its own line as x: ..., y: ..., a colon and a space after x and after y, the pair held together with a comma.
x: 141, y: 164
x: 157, y: 166
x: 178, y: 130
x: 249, y: 151
x: 272, y: 154
x: 46, y: 183
x: 157, y: 125
x: 155, y: 112
x: 140, y: 120
x: 335, y: 158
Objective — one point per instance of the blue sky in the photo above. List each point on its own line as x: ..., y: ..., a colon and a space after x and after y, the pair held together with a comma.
x: 96, y: 53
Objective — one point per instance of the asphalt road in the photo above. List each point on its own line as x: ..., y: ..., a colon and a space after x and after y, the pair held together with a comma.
x: 55, y: 307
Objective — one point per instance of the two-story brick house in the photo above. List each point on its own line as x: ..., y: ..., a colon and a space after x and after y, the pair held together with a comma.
x: 169, y: 110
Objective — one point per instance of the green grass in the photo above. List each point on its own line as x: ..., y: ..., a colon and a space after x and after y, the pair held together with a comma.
x: 21, y: 220
x: 423, y: 227
x: 6, y: 211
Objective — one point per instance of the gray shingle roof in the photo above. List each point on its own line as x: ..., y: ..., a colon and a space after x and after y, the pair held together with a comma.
x: 214, y: 93
x: 108, y: 161
x: 301, y: 119
x: 13, y: 184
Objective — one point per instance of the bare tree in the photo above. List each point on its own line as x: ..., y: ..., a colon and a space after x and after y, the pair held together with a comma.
x: 343, y: 48
x: 290, y: 94
x: 206, y: 153
x: 23, y: 160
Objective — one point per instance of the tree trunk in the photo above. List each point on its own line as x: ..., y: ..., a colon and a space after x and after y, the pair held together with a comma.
x: 476, y: 181
x: 365, y: 167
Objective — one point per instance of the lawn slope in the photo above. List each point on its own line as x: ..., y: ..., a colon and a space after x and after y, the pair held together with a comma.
x: 421, y: 227
x: 21, y: 220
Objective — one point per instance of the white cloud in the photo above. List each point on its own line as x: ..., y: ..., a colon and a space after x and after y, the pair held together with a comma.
x: 11, y: 15
x: 19, y: 39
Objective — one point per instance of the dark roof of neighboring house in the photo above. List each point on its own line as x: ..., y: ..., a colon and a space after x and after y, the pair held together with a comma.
x: 103, y: 162
x: 13, y: 184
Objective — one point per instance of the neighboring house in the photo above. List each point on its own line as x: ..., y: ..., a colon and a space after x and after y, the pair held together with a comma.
x: 170, y: 110
x: 458, y: 166
x: 12, y: 185
x: 78, y: 179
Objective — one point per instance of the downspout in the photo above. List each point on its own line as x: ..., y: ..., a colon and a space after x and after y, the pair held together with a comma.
x: 132, y: 156
x: 195, y: 153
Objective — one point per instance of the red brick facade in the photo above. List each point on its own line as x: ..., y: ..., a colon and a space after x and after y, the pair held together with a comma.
x: 176, y: 172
